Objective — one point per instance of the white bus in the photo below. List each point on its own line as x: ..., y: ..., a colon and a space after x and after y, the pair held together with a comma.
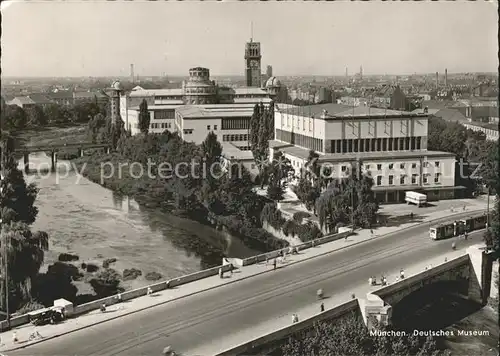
x: 418, y: 199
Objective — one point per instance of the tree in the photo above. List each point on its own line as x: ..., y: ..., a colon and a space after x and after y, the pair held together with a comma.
x: 36, y: 116
x: 17, y: 198
x: 56, y: 283
x: 280, y: 171
x: 211, y: 148
x: 349, y: 336
x: 106, y: 283
x: 14, y: 117
x: 144, y: 118
x: 25, y: 253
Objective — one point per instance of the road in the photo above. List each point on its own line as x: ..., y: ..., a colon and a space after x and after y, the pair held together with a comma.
x: 203, y: 319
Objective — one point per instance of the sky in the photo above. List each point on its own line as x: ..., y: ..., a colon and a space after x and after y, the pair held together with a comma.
x: 99, y: 38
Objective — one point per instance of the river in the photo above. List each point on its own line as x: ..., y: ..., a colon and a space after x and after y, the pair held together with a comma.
x: 83, y: 218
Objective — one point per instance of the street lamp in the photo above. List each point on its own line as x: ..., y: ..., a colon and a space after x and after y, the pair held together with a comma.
x: 5, y: 265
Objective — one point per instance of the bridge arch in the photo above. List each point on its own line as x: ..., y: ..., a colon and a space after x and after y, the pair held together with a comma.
x: 434, y: 306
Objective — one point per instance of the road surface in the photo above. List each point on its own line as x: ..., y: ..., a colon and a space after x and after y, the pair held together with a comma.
x: 210, y: 317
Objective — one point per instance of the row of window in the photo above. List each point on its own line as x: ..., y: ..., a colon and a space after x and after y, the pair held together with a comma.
x: 425, y: 164
x: 414, y: 179
x: 209, y: 127
x: 163, y: 125
x: 311, y: 143
x: 187, y: 131
x: 241, y: 137
x: 375, y: 144
x: 164, y: 114
x: 240, y: 123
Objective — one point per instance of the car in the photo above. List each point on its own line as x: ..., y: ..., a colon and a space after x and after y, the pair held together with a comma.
x: 48, y: 317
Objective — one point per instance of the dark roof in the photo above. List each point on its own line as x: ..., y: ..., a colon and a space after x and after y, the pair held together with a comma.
x: 450, y: 115
x: 437, y: 104
x: 39, y: 98
x: 61, y: 95
x: 89, y: 94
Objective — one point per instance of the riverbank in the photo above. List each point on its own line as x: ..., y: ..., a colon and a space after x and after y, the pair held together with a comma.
x: 154, y: 194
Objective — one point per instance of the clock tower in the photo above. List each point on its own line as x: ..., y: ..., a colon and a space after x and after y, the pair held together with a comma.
x: 252, y: 64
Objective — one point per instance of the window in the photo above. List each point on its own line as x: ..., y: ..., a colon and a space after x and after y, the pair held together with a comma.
x: 344, y: 168
x: 215, y: 127
x: 379, y: 167
x: 402, y: 180
x: 379, y: 180
x: 426, y: 164
x: 413, y: 165
x: 391, y: 165
x: 436, y: 164
x: 437, y: 177
x: 426, y: 178
x: 208, y: 127
x: 367, y: 167
x: 413, y: 179
x: 402, y: 166
x: 187, y: 131
x: 391, y: 180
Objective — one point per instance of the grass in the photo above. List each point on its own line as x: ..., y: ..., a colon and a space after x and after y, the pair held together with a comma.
x: 52, y: 135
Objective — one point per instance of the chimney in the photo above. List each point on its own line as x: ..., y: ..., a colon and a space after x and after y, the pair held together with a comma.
x: 437, y: 80
x: 446, y: 77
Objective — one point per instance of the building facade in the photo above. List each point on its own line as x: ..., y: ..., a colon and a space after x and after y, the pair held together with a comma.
x: 230, y: 122
x: 390, y: 145
x: 198, y: 90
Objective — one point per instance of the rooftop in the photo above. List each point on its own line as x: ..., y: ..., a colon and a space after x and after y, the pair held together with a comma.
x: 196, y: 111
x: 343, y: 157
x: 340, y: 110
x: 231, y: 151
x: 155, y: 92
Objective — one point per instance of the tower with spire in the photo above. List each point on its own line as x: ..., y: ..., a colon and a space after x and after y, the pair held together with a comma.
x: 253, y: 62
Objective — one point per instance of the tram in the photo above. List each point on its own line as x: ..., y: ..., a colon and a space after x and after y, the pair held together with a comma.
x: 458, y: 227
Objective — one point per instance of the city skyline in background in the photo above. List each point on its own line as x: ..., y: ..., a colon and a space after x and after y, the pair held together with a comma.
x: 169, y: 38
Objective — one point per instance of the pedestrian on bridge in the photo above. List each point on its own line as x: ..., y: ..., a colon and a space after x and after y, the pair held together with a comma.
x: 322, y: 307
x: 274, y: 263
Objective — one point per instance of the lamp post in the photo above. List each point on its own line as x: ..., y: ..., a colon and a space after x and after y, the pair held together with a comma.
x: 5, y: 265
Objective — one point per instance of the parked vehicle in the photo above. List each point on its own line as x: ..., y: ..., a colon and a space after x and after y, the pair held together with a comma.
x: 418, y: 199
x: 458, y: 227
x: 48, y: 317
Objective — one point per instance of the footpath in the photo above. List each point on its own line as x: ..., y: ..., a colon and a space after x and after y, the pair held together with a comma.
x: 135, y: 305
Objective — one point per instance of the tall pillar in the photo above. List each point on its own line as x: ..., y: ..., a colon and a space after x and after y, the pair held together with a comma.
x: 108, y: 150
x: 26, y: 162
x: 53, y: 161
x: 80, y: 152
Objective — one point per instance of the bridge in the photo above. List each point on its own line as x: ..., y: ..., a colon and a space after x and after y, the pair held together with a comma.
x: 467, y: 276
x: 53, y: 149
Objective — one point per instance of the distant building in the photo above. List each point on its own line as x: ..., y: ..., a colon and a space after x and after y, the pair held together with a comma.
x: 61, y: 97
x: 233, y: 156
x: 389, y: 97
x: 89, y: 96
x: 325, y: 95
x: 30, y: 101
x: 269, y: 71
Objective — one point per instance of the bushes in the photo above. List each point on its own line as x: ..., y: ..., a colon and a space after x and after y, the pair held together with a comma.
x: 106, y: 283
x: 108, y: 261
x: 153, y: 276
x: 251, y: 236
x: 130, y: 274
x: 67, y: 257
x: 272, y: 215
